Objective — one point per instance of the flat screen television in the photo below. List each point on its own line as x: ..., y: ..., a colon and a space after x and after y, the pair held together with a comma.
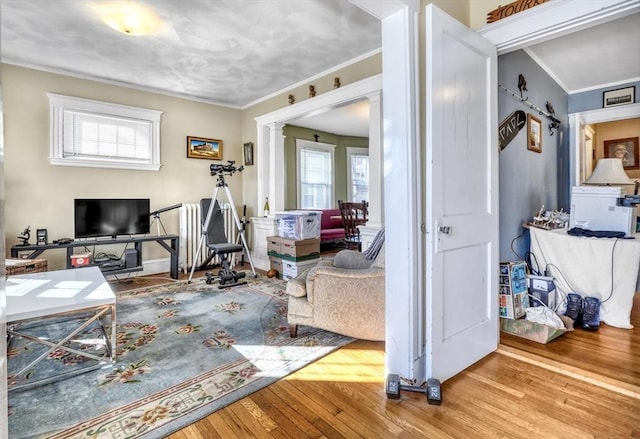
x: 110, y: 217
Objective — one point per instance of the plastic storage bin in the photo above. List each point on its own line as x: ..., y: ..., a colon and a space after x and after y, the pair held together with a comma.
x: 299, y: 224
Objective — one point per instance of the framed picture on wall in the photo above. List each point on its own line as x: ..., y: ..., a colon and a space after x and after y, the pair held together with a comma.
x: 625, y: 149
x: 620, y: 96
x: 248, y: 153
x: 201, y: 148
x: 534, y: 133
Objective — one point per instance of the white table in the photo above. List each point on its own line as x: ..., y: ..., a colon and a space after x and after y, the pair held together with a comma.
x: 606, y: 268
x: 81, y: 292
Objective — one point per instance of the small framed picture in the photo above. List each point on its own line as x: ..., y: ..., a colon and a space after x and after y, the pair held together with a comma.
x: 534, y: 133
x: 620, y: 96
x: 625, y: 149
x: 201, y: 148
x: 248, y: 153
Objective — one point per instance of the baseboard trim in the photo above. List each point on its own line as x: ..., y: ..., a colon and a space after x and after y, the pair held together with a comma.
x: 156, y: 266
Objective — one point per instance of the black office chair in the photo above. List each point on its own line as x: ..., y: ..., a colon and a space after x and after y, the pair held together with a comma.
x: 218, y: 245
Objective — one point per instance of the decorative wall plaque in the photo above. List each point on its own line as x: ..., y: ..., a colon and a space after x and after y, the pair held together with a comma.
x: 512, y: 8
x: 510, y: 127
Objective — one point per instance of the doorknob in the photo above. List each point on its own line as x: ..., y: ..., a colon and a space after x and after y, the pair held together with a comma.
x: 445, y: 229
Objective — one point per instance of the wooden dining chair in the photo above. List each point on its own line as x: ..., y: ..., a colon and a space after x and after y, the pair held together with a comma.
x: 353, y: 214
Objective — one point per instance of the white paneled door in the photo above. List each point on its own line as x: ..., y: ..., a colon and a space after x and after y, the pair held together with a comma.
x: 461, y: 196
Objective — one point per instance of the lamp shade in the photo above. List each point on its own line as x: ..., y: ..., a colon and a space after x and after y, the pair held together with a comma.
x: 609, y: 172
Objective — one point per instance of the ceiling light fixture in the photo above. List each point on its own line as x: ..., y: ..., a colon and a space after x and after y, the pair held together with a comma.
x: 130, y: 18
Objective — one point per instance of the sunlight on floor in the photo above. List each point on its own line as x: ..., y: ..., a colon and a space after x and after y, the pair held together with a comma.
x: 341, y: 367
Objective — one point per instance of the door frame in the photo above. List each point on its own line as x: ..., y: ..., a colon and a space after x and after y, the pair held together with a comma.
x: 577, y: 123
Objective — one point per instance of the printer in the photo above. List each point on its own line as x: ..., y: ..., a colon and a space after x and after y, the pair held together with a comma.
x: 602, y: 208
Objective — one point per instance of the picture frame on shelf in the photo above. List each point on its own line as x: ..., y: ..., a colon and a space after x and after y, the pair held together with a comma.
x: 203, y: 148
x: 619, y: 96
x: 248, y: 153
x: 534, y: 133
x: 625, y: 149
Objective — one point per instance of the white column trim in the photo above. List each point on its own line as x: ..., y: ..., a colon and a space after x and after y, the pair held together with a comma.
x: 403, y: 208
x: 276, y: 179
x: 376, y: 160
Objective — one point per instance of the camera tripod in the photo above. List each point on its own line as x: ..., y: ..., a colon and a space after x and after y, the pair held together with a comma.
x: 227, y: 277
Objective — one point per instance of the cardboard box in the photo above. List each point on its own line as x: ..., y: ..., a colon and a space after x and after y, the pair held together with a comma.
x: 293, y: 250
x: 293, y: 269
x: 513, y: 291
x: 299, y: 224
x: 80, y: 260
x: 530, y: 330
x: 542, y: 288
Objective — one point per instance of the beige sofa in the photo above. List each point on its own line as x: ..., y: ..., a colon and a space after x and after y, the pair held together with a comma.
x: 346, y: 301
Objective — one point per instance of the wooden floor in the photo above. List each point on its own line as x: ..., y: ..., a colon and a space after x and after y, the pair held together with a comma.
x: 581, y: 385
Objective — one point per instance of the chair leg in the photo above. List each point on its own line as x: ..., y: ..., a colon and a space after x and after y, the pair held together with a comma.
x: 293, y: 331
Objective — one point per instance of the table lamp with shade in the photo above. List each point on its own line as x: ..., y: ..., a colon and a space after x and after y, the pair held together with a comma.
x: 609, y: 172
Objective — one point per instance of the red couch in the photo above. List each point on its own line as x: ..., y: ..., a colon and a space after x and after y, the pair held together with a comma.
x: 331, y: 229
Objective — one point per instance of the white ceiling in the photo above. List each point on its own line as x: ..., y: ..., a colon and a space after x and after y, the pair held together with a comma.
x: 231, y: 52
x: 236, y: 52
x: 603, y: 55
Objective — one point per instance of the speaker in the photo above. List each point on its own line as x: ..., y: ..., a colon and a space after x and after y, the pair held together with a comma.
x: 130, y: 258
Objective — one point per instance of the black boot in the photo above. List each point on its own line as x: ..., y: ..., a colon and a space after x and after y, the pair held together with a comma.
x: 574, y: 307
x: 591, y: 313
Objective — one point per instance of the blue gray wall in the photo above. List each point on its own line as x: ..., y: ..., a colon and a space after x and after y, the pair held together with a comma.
x: 529, y: 180
x: 593, y: 99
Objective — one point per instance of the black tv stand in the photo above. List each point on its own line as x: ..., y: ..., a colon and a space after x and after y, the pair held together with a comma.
x: 172, y: 247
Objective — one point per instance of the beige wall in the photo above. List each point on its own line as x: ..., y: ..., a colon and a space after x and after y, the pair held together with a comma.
x: 458, y: 9
x: 41, y: 195
x: 621, y: 129
x: 478, y: 10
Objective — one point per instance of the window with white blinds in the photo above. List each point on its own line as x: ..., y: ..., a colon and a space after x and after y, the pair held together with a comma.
x: 358, y: 174
x: 98, y: 134
x: 315, y: 174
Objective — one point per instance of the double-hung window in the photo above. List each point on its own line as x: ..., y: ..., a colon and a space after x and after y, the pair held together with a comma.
x: 100, y: 134
x: 358, y: 174
x: 315, y: 163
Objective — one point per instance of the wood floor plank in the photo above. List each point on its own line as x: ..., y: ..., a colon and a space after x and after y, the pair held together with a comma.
x: 290, y: 424
x: 219, y: 428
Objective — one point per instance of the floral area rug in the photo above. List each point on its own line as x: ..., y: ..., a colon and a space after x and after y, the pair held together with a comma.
x: 183, y: 352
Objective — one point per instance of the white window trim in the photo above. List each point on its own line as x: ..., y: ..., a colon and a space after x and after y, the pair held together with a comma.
x: 307, y: 144
x: 351, y: 151
x: 59, y: 103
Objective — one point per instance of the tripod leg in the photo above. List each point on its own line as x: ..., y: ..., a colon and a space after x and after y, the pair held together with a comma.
x: 240, y: 230
x: 205, y: 227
